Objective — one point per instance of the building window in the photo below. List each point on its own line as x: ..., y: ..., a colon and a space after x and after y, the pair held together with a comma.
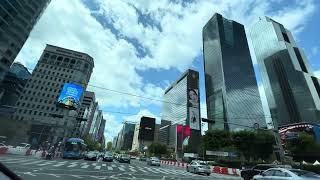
x: 23, y: 104
x: 27, y: 105
x: 60, y: 58
x: 40, y: 113
x: 285, y: 37
x: 46, y: 55
x: 25, y: 111
x: 38, y: 106
x: 30, y: 111
x: 40, y: 100
x: 300, y: 60
x: 33, y: 105
x: 26, y: 98
x: 35, y: 113
x: 53, y: 57
x: 9, y: 52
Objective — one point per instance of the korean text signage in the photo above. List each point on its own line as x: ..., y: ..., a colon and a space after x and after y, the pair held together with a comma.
x: 70, y: 95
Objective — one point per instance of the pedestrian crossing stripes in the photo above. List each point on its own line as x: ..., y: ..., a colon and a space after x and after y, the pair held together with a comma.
x: 94, y: 166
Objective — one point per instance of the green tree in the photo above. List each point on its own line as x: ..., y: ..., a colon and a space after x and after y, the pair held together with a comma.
x: 304, y: 143
x: 109, y: 146
x: 216, y: 139
x: 157, y: 149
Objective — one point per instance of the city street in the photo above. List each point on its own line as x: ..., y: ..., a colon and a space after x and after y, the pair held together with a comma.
x: 35, y: 168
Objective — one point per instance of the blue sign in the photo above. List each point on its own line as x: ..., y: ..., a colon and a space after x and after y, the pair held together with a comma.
x: 70, y: 95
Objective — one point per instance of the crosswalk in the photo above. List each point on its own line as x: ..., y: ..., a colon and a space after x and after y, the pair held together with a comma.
x: 94, y: 166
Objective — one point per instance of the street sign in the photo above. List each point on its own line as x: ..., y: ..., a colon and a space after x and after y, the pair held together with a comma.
x: 217, y: 153
x: 192, y: 155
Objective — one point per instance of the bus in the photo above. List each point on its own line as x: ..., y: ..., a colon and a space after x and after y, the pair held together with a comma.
x: 74, y: 148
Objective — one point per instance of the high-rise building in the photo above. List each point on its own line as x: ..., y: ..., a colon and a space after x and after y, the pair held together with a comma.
x: 14, y: 83
x: 164, y: 132
x: 86, y: 112
x: 102, y: 126
x: 291, y: 89
x: 232, y: 93
x: 18, y: 18
x: 94, y: 128
x: 182, y: 107
x: 145, y: 133
x: 126, y: 136
x: 37, y: 108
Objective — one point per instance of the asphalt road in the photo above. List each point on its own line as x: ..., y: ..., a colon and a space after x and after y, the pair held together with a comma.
x: 39, y: 169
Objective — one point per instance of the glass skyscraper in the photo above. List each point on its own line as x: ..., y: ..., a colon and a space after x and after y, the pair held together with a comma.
x: 232, y: 95
x: 291, y: 89
x: 182, y: 108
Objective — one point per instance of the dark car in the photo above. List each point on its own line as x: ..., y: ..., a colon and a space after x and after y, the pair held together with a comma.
x: 142, y: 158
x: 248, y: 174
x: 108, y: 157
x: 124, y: 158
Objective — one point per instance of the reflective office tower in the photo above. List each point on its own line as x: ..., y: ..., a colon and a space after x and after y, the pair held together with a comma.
x: 181, y: 107
x: 232, y: 93
x: 291, y: 89
x: 17, y: 18
x: 41, y: 119
x: 94, y: 128
x: 127, y: 136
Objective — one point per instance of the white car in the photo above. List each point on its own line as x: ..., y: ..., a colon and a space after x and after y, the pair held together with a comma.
x: 286, y: 174
x: 199, y: 167
x: 23, y: 146
x: 153, y: 161
x: 2, y: 145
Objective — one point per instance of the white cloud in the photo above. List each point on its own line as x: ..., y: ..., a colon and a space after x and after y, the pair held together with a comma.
x: 317, y: 73
x: 315, y: 51
x: 70, y: 24
x: 143, y: 112
x: 113, y: 126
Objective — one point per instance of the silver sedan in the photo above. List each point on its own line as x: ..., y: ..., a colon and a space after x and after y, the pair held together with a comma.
x: 199, y: 167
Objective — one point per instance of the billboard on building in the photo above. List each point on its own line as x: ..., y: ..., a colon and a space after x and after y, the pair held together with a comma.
x: 183, y: 136
x: 147, y: 128
x: 70, y: 95
x: 292, y: 131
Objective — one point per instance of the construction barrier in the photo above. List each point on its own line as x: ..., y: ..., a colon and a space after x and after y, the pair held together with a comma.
x: 3, y: 150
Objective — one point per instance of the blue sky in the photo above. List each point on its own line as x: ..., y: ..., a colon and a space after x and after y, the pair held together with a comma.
x: 141, y: 46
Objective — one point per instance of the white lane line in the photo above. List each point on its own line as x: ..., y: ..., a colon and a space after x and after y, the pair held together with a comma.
x: 110, y: 168
x: 85, y: 166
x: 84, y: 163
x: 164, y: 171
x: 59, y: 164
x: 157, y: 170
x: 76, y: 176
x: 104, y: 165
x: 44, y: 164
x: 113, y: 165
x: 152, y: 170
x: 121, y: 169
x: 132, y: 169
x: 94, y: 164
x: 141, y: 169
x: 33, y: 162
x: 9, y: 159
x: 97, y: 167
x: 73, y: 165
x: 19, y: 161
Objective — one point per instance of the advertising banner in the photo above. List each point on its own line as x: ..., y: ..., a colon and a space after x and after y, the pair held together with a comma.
x: 147, y: 128
x: 193, y: 105
x: 70, y: 95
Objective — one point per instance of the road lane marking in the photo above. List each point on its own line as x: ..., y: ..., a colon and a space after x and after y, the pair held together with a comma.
x: 73, y: 165
x: 152, y: 170
x: 59, y: 164
x: 103, y: 164
x: 141, y: 169
x: 84, y: 163
x: 76, y: 176
x: 85, y: 166
x: 110, y: 168
x: 34, y: 162
x: 121, y: 169
x: 132, y: 169
x: 46, y: 163
x: 97, y: 167
x: 94, y: 164
x: 19, y: 161
x: 113, y: 165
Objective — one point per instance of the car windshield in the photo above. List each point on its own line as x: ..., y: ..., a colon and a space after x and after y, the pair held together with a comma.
x: 159, y: 89
x: 305, y: 173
